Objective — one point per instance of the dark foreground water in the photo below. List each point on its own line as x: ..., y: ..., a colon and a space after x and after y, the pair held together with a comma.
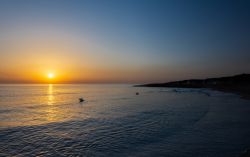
x: 48, y: 120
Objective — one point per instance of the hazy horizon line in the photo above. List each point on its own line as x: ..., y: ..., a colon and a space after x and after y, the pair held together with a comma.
x: 112, y: 82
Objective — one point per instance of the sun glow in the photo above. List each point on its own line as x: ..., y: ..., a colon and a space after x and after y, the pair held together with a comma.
x: 51, y: 75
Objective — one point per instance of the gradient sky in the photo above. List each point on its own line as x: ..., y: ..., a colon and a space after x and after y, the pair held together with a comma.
x: 127, y: 41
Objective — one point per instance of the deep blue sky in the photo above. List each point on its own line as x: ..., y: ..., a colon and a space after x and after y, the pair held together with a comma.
x: 156, y: 39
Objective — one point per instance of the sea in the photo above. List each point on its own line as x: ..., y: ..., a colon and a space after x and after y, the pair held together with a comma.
x: 113, y: 121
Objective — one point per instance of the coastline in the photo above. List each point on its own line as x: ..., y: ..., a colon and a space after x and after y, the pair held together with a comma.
x: 238, y: 84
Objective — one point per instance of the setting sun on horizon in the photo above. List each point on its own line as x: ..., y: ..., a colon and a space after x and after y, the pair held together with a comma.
x: 97, y: 43
x: 50, y: 75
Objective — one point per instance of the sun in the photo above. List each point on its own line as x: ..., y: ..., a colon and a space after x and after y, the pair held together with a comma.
x: 50, y: 75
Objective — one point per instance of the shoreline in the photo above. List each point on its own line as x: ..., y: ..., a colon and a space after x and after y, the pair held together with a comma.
x: 238, y: 84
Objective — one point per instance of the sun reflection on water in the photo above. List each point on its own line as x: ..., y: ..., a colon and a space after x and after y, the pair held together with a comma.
x: 51, y: 112
x: 42, y: 104
x: 50, y: 94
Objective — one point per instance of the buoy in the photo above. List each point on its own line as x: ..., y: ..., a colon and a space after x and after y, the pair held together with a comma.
x: 81, y: 99
x: 137, y: 93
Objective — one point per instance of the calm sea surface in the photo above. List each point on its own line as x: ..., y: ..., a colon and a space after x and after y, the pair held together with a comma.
x: 48, y: 120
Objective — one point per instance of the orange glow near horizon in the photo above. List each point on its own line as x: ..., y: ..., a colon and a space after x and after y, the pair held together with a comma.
x: 47, y: 61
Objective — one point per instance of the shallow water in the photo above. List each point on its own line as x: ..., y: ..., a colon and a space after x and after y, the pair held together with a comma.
x: 48, y: 120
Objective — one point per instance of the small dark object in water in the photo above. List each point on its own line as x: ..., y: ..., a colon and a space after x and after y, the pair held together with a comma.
x: 81, y: 99
x: 136, y: 93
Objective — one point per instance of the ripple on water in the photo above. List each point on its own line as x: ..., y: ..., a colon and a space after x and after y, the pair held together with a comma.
x: 119, y: 125
x: 90, y: 136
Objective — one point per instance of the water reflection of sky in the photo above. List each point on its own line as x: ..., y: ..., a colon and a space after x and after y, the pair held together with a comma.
x: 27, y: 105
x: 50, y: 94
x: 51, y: 111
x: 114, y: 118
x: 42, y: 104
